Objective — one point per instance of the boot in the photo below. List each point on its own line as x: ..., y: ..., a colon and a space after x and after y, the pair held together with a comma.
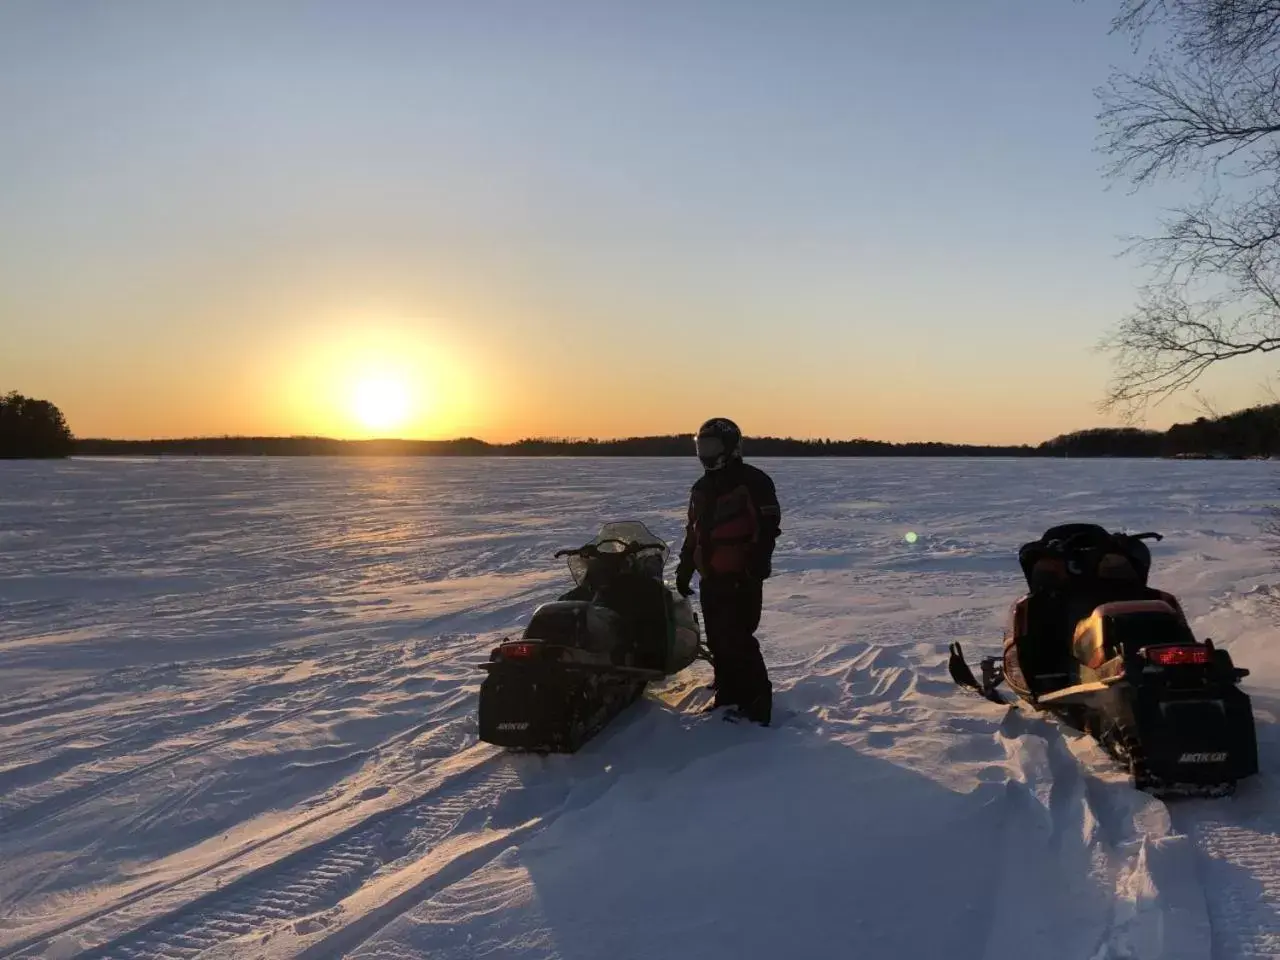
x: 720, y: 700
x: 760, y: 708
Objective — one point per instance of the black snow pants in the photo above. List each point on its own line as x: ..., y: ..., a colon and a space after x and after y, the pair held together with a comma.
x: 731, y: 610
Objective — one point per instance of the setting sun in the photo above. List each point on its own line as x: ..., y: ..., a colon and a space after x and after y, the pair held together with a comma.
x: 360, y: 378
x: 380, y: 403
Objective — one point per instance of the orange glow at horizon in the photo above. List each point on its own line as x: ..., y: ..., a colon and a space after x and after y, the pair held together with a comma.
x: 363, y: 381
x: 383, y: 367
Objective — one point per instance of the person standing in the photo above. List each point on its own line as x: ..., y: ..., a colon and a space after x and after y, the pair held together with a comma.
x: 733, y: 522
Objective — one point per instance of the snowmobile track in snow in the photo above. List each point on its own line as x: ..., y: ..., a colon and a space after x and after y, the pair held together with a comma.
x: 317, y: 876
x: 43, y: 810
x: 1237, y: 862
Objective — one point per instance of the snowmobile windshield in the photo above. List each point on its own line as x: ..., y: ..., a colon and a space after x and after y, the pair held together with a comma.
x: 644, y: 552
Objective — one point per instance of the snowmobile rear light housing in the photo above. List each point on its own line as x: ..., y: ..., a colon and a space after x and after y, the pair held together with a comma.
x: 520, y: 650
x: 1177, y: 656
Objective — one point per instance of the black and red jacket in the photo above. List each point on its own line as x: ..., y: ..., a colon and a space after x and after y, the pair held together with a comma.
x: 734, y: 521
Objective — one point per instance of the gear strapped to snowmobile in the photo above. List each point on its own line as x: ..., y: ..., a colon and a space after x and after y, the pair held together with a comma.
x: 1096, y: 646
x: 588, y: 655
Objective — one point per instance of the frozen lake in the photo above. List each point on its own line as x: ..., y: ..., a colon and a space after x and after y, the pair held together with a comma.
x: 238, y: 701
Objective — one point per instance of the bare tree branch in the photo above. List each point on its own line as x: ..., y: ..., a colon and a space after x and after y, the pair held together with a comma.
x: 1222, y: 30
x: 1209, y: 102
x: 1168, y: 343
x: 1177, y: 116
x: 1207, y: 407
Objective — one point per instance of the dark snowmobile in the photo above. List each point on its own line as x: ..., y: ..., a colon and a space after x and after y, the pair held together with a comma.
x: 1093, y: 644
x: 588, y: 655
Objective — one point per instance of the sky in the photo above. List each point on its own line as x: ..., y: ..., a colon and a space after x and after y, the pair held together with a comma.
x: 502, y: 219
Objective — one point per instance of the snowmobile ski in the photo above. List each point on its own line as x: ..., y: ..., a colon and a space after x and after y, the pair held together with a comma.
x: 992, y: 675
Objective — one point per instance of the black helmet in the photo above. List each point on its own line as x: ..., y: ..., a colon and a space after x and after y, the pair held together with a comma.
x: 719, y: 440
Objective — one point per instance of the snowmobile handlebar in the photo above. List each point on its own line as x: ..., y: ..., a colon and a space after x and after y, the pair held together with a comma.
x: 592, y: 550
x: 1072, y: 543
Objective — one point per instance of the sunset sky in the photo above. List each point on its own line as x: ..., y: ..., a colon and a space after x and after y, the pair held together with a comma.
x: 500, y: 219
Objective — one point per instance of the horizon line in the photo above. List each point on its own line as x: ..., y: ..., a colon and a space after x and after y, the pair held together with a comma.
x: 546, y: 438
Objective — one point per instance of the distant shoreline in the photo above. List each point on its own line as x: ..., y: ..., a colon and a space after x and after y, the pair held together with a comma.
x: 680, y: 446
x: 1249, y: 434
x: 677, y: 446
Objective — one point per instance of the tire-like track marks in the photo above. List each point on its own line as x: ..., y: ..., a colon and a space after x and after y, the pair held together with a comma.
x: 44, y: 810
x: 1240, y: 870
x: 154, y: 890
x: 318, y: 876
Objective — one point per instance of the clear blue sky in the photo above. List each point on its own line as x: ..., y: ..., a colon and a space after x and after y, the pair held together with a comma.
x: 820, y: 218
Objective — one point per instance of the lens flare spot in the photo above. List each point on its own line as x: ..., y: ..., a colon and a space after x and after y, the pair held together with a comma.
x: 911, y: 536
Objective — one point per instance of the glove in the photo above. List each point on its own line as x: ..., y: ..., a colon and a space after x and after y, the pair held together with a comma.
x: 684, y: 582
x: 760, y: 567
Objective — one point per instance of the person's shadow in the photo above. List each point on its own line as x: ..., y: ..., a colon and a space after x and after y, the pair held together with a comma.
x: 676, y: 835
x: 732, y: 841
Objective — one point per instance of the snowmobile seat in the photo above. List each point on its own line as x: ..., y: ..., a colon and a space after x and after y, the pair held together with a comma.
x: 583, y: 591
x: 1047, y: 573
x: 1117, y: 566
x: 640, y: 600
x: 1044, y: 645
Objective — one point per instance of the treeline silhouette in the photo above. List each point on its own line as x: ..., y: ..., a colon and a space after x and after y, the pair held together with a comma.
x: 37, y: 428
x: 1254, y: 432
x: 676, y: 445
x: 31, y: 428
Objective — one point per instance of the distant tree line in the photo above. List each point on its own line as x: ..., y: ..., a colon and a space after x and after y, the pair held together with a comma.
x: 32, y: 428
x: 681, y: 445
x: 280, y: 447
x: 675, y: 445
x: 1106, y: 442
x: 36, y: 428
x: 1254, y: 432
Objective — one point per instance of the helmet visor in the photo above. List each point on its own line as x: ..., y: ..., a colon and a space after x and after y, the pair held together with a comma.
x: 710, y: 449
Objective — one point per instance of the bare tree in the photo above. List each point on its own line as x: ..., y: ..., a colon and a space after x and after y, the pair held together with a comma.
x: 1207, y: 102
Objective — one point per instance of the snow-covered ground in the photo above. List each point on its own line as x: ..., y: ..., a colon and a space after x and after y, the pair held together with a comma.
x: 237, y: 719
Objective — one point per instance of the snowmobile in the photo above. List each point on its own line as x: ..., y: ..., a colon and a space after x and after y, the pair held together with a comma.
x: 588, y: 655
x: 1092, y: 644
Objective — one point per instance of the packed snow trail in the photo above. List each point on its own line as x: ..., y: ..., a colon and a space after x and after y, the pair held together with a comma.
x: 239, y: 721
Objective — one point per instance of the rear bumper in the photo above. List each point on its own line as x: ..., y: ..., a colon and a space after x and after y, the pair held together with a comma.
x: 527, y: 708
x: 546, y: 706
x: 1199, y: 737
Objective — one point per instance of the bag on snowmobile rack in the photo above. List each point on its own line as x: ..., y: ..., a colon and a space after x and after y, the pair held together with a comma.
x: 1073, y: 552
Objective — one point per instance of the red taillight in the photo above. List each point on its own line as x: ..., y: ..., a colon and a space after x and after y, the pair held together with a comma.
x: 519, y: 649
x: 1179, y: 656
